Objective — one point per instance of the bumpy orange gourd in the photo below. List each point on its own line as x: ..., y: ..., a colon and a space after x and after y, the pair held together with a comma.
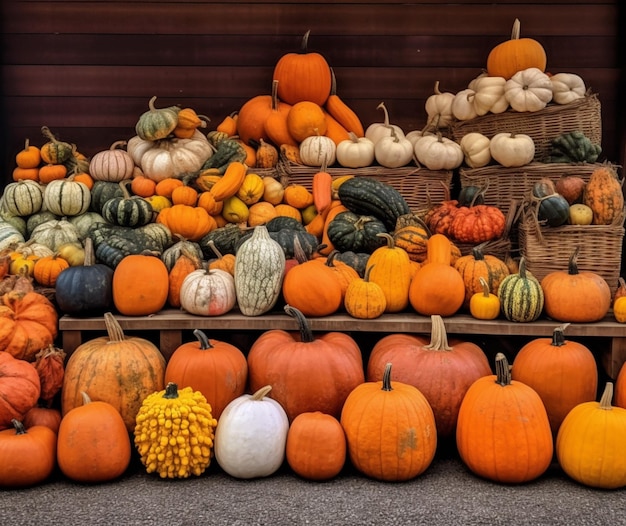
x: 603, y: 194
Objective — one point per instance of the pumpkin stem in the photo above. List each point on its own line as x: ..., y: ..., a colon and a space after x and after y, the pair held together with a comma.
x: 85, y: 397
x: 387, y: 378
x: 572, y: 268
x: 485, y: 286
x: 261, y: 393
x: 503, y: 371
x: 438, y: 336
x: 515, y: 32
x: 171, y: 391
x: 558, y: 338
x: 304, y: 46
x: 202, y: 339
x: 382, y: 106
x: 306, y: 334
x: 607, y: 397
x: 19, y: 427
x: 113, y: 328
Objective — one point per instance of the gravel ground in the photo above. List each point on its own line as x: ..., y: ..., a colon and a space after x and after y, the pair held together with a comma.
x: 445, y: 494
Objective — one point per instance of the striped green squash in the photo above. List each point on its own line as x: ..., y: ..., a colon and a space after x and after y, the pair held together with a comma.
x: 23, y: 198
x: 521, y: 296
x: 9, y: 235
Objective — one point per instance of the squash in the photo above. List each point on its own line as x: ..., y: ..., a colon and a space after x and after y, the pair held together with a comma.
x: 603, y: 194
x: 342, y: 112
x: 393, y: 151
x: 157, y: 123
x: 188, y: 122
x: 318, y: 150
x: 208, y: 292
x: 484, y: 305
x: 20, y: 388
x: 127, y: 210
x: 23, y: 198
x: 521, y: 296
x: 476, y: 149
x: 438, y: 153
x: 359, y: 233
x: 355, y: 152
x: 365, y: 299
x: 54, y: 151
x: 114, y: 164
x: 378, y: 130
x: 567, y: 87
x: 512, y: 149
x: 438, y: 108
x: 306, y: 119
x: 462, y: 106
x: 489, y: 95
x: 528, y: 90
x: 251, y: 435
x: 573, y: 147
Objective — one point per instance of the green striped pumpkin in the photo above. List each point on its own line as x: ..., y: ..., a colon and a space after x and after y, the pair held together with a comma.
x: 66, y: 198
x: 127, y: 210
x: 23, y: 198
x: 521, y: 296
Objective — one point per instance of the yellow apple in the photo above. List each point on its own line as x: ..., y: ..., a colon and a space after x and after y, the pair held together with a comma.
x: 580, y: 214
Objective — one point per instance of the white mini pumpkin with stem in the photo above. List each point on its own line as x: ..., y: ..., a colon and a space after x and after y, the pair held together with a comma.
x: 393, y: 151
x: 251, y: 436
x: 512, y: 149
x: 438, y: 153
x: 378, y: 130
x: 317, y: 148
x: 355, y: 152
x: 489, y: 95
x: 476, y: 149
x: 463, y: 108
x: 439, y: 109
x: 528, y: 90
x: 567, y: 87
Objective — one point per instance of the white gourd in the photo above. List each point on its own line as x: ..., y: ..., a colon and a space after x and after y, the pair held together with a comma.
x: 439, y: 108
x: 66, y: 198
x: 317, y: 149
x: 378, y: 130
x: 23, y: 198
x: 355, y: 152
x: 438, y: 153
x: 476, y: 149
x: 207, y: 292
x: 463, y: 105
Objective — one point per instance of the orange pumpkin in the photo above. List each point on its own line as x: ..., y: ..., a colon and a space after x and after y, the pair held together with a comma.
x: 19, y: 388
x: 43, y: 416
x: 185, y: 264
x: 276, y: 121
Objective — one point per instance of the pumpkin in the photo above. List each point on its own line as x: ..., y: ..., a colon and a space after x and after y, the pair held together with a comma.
x: 50, y: 366
x: 303, y: 76
x: 306, y: 119
x: 521, y: 296
x: 603, y: 194
x: 489, y: 95
x: 437, y: 152
x: 29, y: 322
x: 23, y: 198
x: 378, y: 130
x: 503, y: 432
x: 529, y: 89
x: 355, y: 152
x: 170, y: 445
x: 316, y: 446
x: 251, y: 435
x: 20, y: 388
x: 390, y: 429
x: 54, y: 151
x: 393, y: 151
x: 575, y: 296
x: 462, y: 106
x: 190, y: 222
x: 477, y: 224
x: 127, y: 210
x: 563, y: 372
x: 567, y: 87
x: 93, y: 445
x: 208, y: 292
x: 114, y: 368
x: 114, y: 164
x: 47, y: 269
x: 512, y: 149
x: 437, y: 287
x: 307, y: 372
x: 315, y: 150
x: 589, y: 445
x: 476, y: 149
x: 29, y: 156
x: 364, y: 298
x: 413, y: 238
x: 441, y: 369
x: 359, y: 233
x: 43, y: 416
x: 438, y: 108
x: 157, y: 123
x: 515, y: 54
x: 27, y: 456
x: 571, y: 187
x: 484, y: 305
x: 259, y: 271
x: 65, y: 197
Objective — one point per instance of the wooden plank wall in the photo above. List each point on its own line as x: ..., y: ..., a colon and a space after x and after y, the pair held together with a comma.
x: 87, y: 69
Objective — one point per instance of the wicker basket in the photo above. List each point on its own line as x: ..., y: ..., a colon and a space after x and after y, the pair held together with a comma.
x: 543, y: 126
x: 420, y: 187
x: 548, y: 249
x: 513, y: 184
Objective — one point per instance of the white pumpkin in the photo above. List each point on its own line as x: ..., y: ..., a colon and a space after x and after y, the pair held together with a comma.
x: 9, y: 235
x: 415, y: 135
x: 378, y: 130
x: 438, y: 153
x: 439, y: 108
x: 512, y: 149
x: 393, y: 151
x: 316, y: 150
x: 114, y: 164
x: 463, y: 105
x: 207, y: 292
x: 476, y: 149
x: 567, y: 87
x: 355, y: 152
x: 489, y: 95
x: 23, y: 198
x: 528, y: 90
x: 53, y: 234
x: 251, y: 436
x: 173, y: 157
x: 66, y: 198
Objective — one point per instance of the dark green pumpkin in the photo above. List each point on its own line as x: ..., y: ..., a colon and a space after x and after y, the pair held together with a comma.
x: 128, y: 211
x: 469, y: 195
x: 281, y: 222
x: 521, y: 296
x: 101, y: 192
x: 357, y: 260
x: 553, y: 210
x: 225, y: 239
x: 358, y: 233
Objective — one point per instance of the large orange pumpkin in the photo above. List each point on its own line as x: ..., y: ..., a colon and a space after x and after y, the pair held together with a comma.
x: 307, y: 372
x: 116, y: 369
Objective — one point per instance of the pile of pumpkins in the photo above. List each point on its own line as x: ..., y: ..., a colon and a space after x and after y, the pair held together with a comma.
x: 307, y: 401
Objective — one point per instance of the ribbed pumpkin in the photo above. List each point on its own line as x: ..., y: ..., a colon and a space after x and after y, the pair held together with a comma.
x: 575, y: 296
x: 564, y: 373
x: 217, y: 369
x: 365, y: 299
x: 114, y: 164
x: 390, y: 429
x: 127, y: 210
x: 391, y: 269
x: 521, y: 296
x: 590, y: 443
x: 307, y: 372
x: 114, y: 368
x: 503, y: 432
x: 20, y: 388
x: 303, y: 76
x: 413, y: 238
x: 441, y: 369
x: 604, y: 195
x: 65, y: 197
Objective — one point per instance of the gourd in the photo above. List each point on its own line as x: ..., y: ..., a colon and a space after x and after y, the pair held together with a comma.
x: 390, y: 429
x: 50, y: 366
x: 315, y: 150
x: 595, y: 460
x: 477, y: 224
x: 27, y: 456
x: 216, y: 368
x: 529, y: 89
x: 563, y: 372
x: 9, y: 235
x: 251, y: 189
x: 23, y: 198
x: 484, y: 305
x: 476, y: 149
x: 441, y: 369
x: 54, y: 151
x: 355, y: 152
x: 55, y: 233
x: 174, y: 432
x: 127, y: 210
x: 251, y: 435
x: 190, y: 222
x: 489, y: 95
x: 20, y: 388
x: 393, y: 151
x: 157, y: 123
x: 462, y: 106
x: 114, y: 164
x: 226, y: 150
x: 365, y: 299
x: 503, y: 432
x: 307, y: 372
x: 603, y: 194
x: 259, y: 271
x: 378, y: 130
x: 552, y: 208
x: 64, y: 197
x: 438, y: 108
x: 573, y: 147
x: 567, y: 87
x: 208, y: 292
x: 275, y: 124
x: 114, y: 368
x: 93, y: 445
x: 438, y: 153
x: 341, y: 112
x: 359, y: 233
x: 521, y: 296
x: 187, y: 122
x: 512, y: 149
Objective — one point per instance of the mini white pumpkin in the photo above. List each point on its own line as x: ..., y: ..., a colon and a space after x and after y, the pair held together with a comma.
x: 528, y: 90
x: 438, y: 153
x: 439, y: 108
x: 567, y: 87
x: 489, y: 95
x: 355, y: 152
x: 463, y: 107
x: 476, y: 149
x: 208, y: 292
x: 511, y: 149
x: 393, y: 151
x: 378, y: 130
x: 415, y: 135
x: 251, y: 436
x: 317, y: 149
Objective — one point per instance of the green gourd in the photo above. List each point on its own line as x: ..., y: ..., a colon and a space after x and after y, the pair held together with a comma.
x: 521, y: 296
x: 157, y: 123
